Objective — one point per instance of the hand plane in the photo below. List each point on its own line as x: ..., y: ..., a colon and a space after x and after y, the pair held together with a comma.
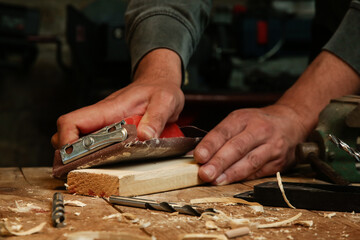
x: 118, y: 142
x: 332, y: 148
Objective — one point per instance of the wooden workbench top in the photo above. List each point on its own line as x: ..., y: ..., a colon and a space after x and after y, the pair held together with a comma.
x: 34, y: 188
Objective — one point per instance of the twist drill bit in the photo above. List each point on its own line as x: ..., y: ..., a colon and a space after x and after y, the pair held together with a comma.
x: 342, y: 145
x: 58, y: 210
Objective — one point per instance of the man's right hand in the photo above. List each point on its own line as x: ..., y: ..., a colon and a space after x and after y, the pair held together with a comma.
x: 155, y: 94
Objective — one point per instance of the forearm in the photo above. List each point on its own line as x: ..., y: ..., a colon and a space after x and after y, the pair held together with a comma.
x: 326, y: 78
x: 161, y: 64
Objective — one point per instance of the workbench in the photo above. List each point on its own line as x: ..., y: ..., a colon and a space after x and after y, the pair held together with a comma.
x: 35, y: 187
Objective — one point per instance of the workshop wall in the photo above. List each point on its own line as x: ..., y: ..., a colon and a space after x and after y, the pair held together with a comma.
x: 34, y: 93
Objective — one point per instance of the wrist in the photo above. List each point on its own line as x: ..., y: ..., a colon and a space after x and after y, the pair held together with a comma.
x: 160, y: 65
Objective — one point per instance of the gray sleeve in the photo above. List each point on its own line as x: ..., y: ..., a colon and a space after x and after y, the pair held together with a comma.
x: 345, y: 43
x: 172, y: 24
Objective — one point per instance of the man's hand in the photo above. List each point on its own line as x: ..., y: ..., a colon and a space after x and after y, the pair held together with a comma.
x: 253, y: 143
x: 248, y: 144
x: 155, y: 94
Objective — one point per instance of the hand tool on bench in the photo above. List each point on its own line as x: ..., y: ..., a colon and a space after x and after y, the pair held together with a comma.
x: 160, y: 206
x: 119, y: 143
x: 341, y: 118
x: 323, y: 197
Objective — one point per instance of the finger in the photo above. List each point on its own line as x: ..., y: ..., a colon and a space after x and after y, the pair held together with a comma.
x: 55, y: 141
x: 250, y: 164
x: 212, y: 142
x: 270, y: 168
x: 233, y: 150
x: 162, y: 108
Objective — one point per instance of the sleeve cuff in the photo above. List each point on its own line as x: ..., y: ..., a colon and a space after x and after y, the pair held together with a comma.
x: 345, y: 43
x: 160, y: 36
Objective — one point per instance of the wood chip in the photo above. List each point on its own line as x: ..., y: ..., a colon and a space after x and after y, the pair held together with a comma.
x: 202, y: 236
x: 210, y: 225
x: 329, y: 215
x: 237, y: 232
x: 305, y: 223
x: 281, y: 223
x: 282, y: 190
x: 24, y: 207
x: 223, y: 200
x: 74, y: 203
x: 94, y: 235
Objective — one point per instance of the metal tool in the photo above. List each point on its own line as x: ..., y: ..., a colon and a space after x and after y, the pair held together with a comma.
x: 104, y: 137
x: 341, y: 118
x: 160, y: 206
x: 323, y: 197
x: 58, y: 210
x: 341, y: 144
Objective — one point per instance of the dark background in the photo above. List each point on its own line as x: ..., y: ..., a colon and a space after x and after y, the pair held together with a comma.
x: 230, y: 69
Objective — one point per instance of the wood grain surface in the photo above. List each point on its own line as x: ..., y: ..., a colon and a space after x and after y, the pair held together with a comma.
x: 36, y: 186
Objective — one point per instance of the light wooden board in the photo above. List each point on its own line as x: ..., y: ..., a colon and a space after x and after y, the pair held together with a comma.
x: 136, y: 179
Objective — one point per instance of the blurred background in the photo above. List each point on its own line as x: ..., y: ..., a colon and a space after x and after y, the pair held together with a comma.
x: 57, y: 56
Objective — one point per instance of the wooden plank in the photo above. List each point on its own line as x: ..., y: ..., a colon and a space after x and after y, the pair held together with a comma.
x: 136, y: 179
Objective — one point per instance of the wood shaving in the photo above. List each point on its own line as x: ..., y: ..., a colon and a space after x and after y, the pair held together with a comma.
x: 74, y: 203
x: 281, y: 223
x: 27, y: 207
x: 305, y: 223
x: 238, y: 232
x: 115, y: 215
x: 76, y: 213
x: 257, y: 208
x: 129, y: 216
x: 223, y: 200
x: 203, y: 236
x: 145, y: 225
x: 5, y: 229
x: 282, y: 190
x: 210, y: 225
x: 329, y: 215
x: 94, y: 235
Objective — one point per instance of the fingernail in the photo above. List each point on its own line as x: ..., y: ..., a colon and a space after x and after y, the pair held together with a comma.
x: 148, y: 132
x: 209, y: 171
x: 221, y: 180
x: 204, y: 153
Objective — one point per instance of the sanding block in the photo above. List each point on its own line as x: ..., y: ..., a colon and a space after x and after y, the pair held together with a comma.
x: 119, y: 143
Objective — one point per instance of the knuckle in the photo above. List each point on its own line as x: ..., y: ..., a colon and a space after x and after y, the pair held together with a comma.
x: 63, y: 119
x: 254, y: 162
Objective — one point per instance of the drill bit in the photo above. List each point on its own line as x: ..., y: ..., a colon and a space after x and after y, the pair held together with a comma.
x: 58, y: 210
x: 342, y: 145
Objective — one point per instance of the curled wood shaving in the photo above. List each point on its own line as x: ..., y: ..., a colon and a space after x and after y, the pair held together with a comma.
x: 203, y: 236
x: 74, y: 203
x: 223, y: 200
x: 282, y: 190
x: 5, y: 229
x: 279, y: 224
